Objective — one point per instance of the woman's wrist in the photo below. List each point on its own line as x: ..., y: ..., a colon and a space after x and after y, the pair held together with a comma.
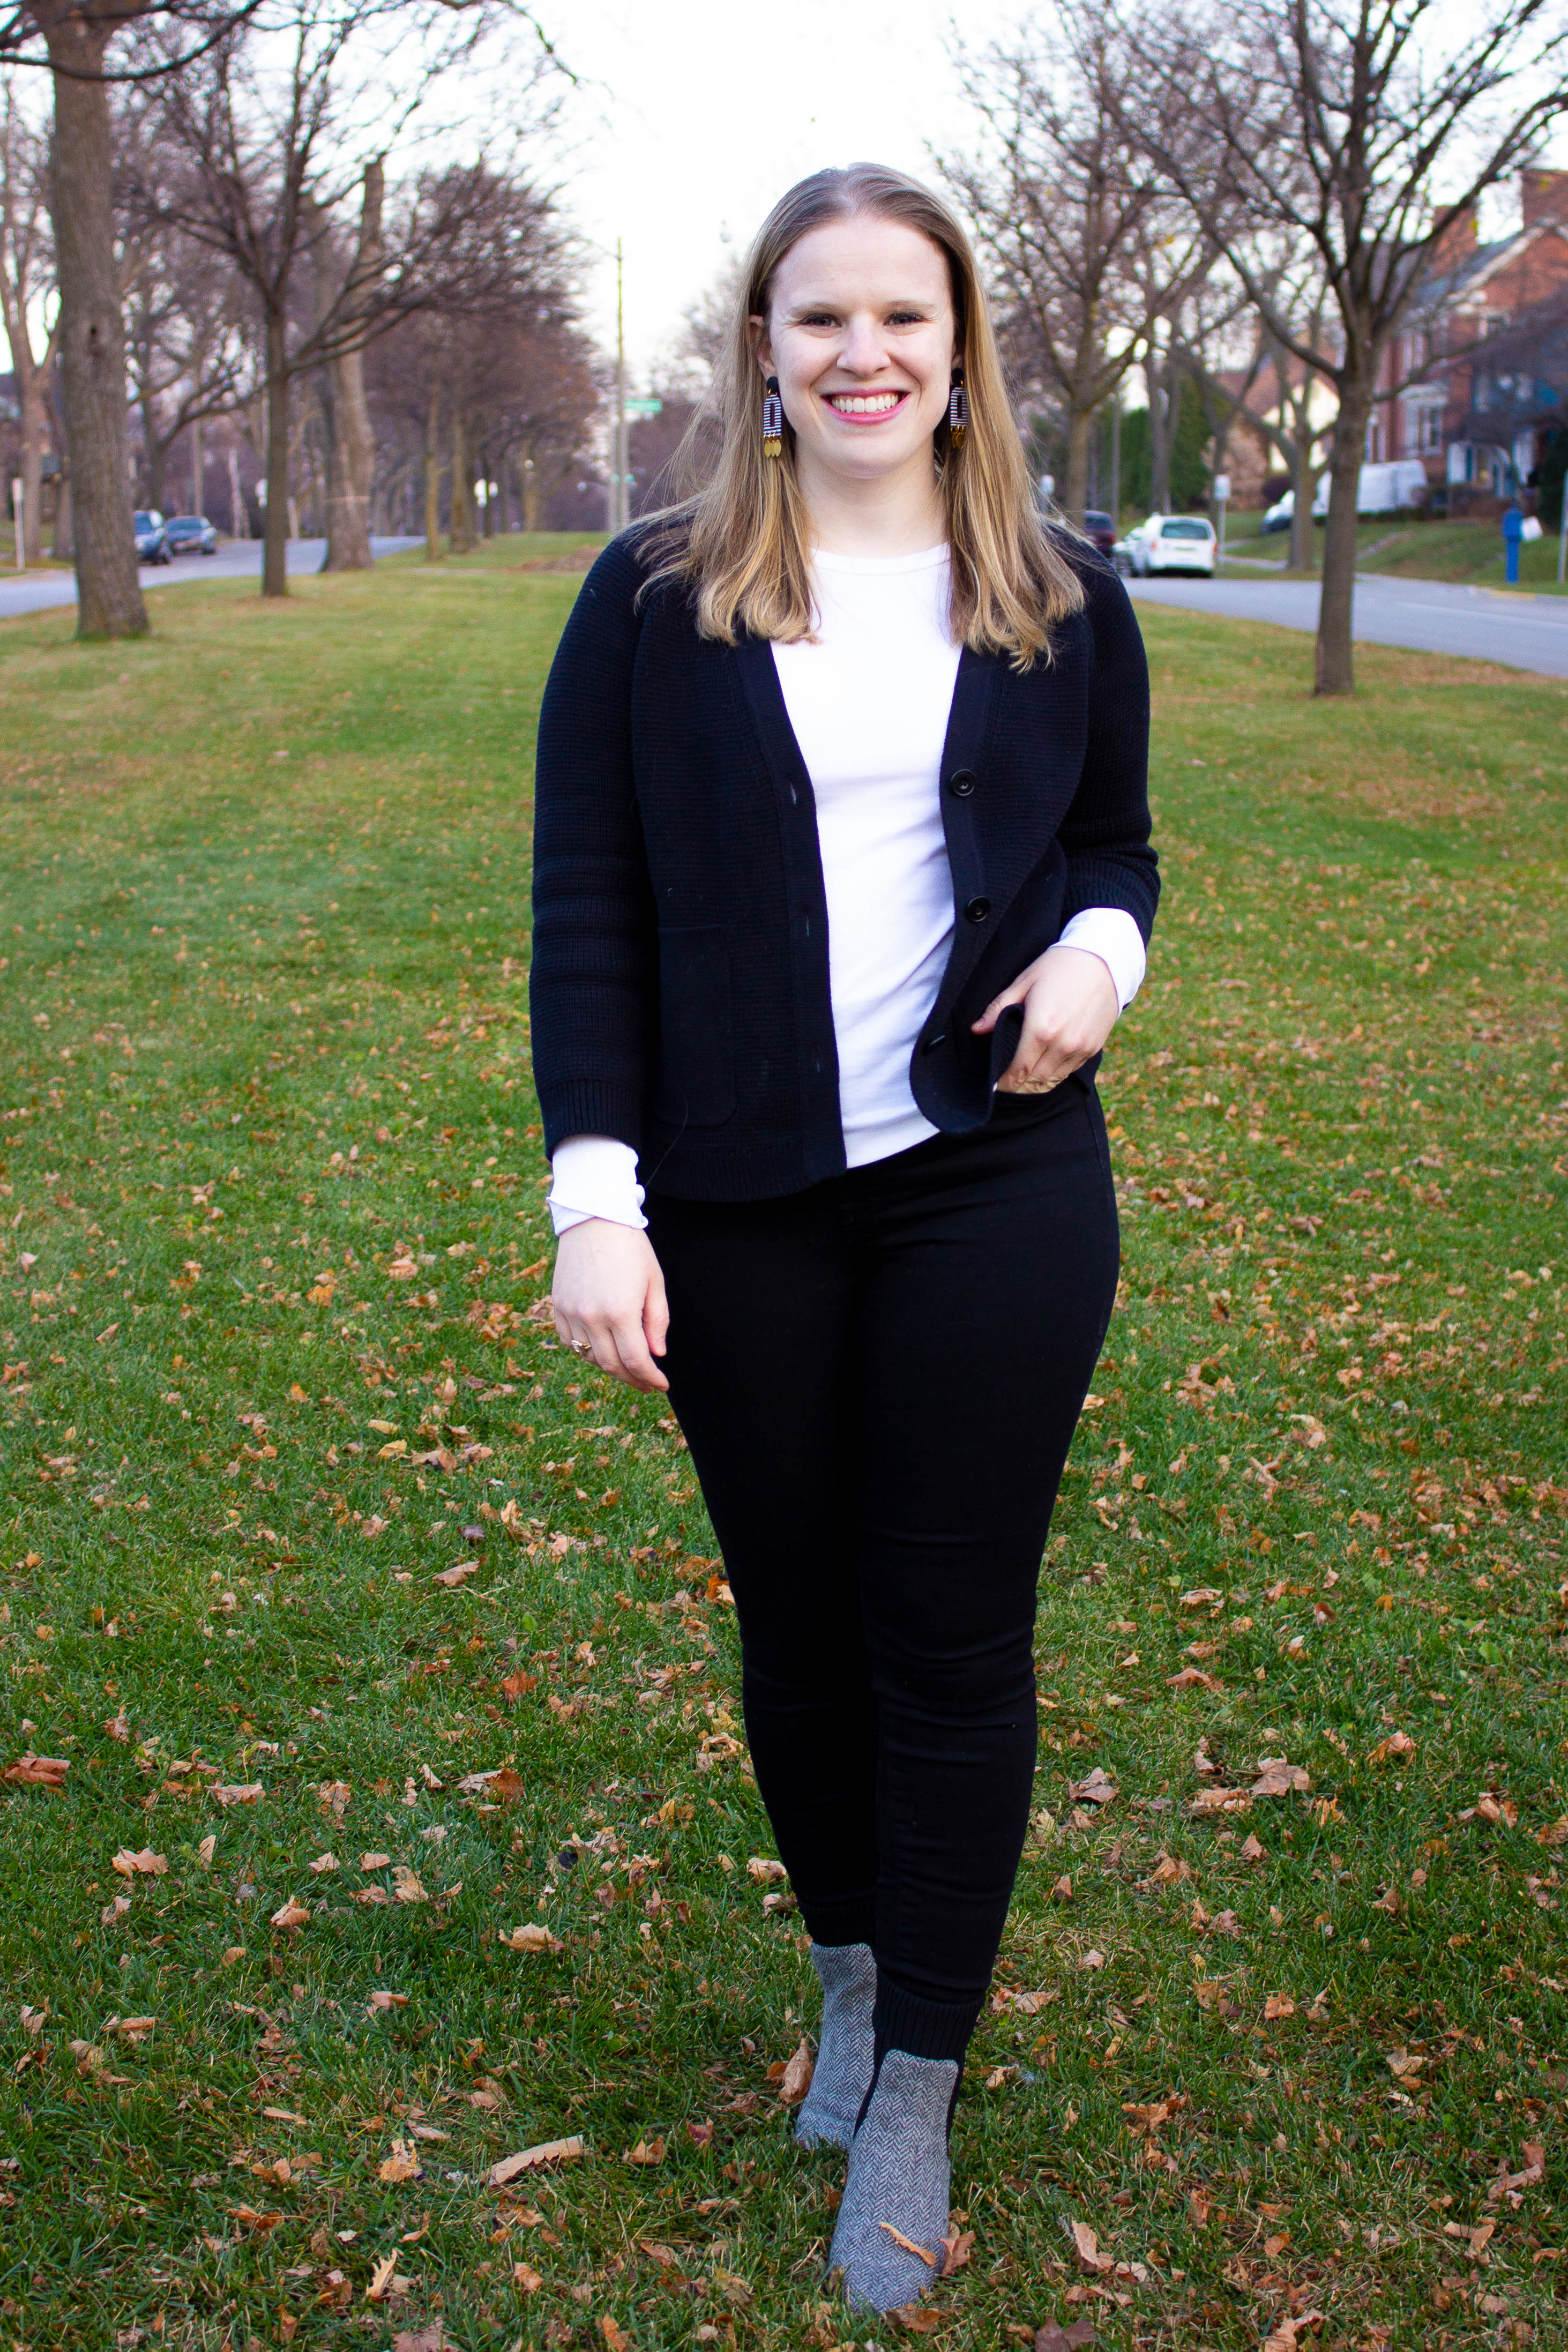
x: 596, y: 1176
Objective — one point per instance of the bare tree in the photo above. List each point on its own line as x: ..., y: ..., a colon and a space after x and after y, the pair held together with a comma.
x: 1084, y: 247
x: 26, y: 280
x: 188, y: 355
x: 1337, y: 123
x: 267, y: 131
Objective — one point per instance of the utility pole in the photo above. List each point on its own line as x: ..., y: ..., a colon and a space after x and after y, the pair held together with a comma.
x: 620, y: 502
x: 1116, y: 459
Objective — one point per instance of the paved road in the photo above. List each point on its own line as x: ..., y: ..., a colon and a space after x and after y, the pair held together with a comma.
x: 235, y: 559
x: 1434, y: 616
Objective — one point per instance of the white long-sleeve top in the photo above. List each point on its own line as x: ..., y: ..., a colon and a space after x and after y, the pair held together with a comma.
x: 868, y: 697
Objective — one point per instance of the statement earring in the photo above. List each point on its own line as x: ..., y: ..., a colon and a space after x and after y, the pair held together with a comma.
x: 957, y: 410
x: 772, y: 420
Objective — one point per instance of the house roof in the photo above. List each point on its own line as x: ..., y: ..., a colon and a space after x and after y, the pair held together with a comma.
x: 1472, y: 273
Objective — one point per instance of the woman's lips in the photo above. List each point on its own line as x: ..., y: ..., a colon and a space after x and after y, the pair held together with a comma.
x: 865, y: 407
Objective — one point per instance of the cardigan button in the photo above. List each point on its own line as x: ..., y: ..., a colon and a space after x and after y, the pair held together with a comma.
x: 977, y: 910
x: 962, y: 782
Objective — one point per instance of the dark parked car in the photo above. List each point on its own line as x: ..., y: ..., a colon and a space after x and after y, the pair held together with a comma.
x: 152, y: 540
x: 1100, y: 530
x: 190, y: 535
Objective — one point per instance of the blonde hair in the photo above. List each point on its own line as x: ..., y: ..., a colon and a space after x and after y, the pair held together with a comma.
x: 742, y: 541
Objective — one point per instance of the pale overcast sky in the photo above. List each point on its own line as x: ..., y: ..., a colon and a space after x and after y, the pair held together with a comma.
x: 697, y: 113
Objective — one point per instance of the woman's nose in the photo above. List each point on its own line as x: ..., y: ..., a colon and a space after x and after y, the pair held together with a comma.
x: 863, y: 351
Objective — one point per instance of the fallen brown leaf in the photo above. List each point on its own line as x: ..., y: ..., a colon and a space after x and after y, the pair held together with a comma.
x: 292, y: 1915
x: 30, y: 1771
x: 796, y: 2078
x: 529, y: 2159
x: 145, y: 1864
x: 403, y: 2164
x: 956, y: 2248
x: 647, y: 2151
x: 1096, y: 1789
x: 1277, y: 1777
x: 909, y: 2245
x: 531, y: 1937
x: 1086, y: 2246
x: 614, y: 2337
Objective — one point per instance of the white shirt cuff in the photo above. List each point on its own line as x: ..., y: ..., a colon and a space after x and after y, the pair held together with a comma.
x: 595, y: 1176
x: 1111, y: 933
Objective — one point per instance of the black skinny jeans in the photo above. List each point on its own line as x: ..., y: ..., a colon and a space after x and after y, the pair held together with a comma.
x: 880, y: 1379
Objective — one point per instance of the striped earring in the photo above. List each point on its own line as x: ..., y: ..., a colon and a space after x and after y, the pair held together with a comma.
x: 957, y: 410
x: 772, y: 420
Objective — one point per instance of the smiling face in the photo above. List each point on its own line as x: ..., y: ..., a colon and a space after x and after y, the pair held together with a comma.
x: 860, y: 333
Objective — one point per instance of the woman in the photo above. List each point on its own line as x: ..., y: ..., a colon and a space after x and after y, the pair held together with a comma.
x: 843, y: 876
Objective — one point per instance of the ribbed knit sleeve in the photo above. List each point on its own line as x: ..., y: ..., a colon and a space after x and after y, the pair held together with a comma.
x: 1105, y: 833
x: 594, y: 947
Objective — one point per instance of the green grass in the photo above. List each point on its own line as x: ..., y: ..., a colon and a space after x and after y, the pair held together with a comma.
x: 271, y: 1222
x: 1414, y: 548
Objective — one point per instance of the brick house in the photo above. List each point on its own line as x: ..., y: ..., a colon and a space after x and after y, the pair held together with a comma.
x: 1479, y: 420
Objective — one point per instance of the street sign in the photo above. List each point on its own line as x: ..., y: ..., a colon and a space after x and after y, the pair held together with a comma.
x: 644, y: 407
x: 1222, y: 486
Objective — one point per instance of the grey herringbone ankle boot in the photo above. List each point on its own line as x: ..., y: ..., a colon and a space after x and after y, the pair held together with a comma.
x: 845, y: 2048
x: 896, y: 2193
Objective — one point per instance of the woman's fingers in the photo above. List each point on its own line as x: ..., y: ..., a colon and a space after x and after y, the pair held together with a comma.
x: 607, y: 1281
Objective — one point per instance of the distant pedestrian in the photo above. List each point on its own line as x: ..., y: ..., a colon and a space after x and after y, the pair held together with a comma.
x: 843, y: 876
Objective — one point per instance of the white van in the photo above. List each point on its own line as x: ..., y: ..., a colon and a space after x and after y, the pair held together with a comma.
x: 1382, y: 490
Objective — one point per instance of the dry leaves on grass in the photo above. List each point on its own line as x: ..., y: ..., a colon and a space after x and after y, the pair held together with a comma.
x: 380, y: 2001
x: 1052, y: 2338
x: 403, y: 2164
x: 292, y: 1915
x: 791, y: 2076
x: 1508, y: 2184
x: 1096, y: 1789
x: 1289, y: 2335
x: 30, y: 1771
x: 145, y: 1864
x: 530, y: 2160
x: 614, y: 2337
x: 237, y: 1792
x: 647, y: 2151
x: 532, y: 1937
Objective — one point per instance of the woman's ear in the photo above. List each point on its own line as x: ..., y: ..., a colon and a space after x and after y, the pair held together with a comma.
x: 762, y: 349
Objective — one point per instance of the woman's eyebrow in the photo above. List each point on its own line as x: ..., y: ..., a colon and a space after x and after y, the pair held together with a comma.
x: 894, y: 302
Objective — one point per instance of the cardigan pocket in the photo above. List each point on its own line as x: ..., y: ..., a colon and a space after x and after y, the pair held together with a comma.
x: 696, y: 1082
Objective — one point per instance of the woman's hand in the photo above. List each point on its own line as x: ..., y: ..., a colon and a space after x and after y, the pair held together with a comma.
x: 1071, y: 1008
x: 609, y: 1301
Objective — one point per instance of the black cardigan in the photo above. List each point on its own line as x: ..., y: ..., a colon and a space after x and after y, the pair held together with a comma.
x: 680, y: 997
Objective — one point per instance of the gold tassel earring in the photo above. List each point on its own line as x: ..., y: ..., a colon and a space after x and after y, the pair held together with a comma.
x: 772, y: 420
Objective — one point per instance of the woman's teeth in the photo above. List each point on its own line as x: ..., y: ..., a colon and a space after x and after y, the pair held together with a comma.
x: 864, y: 404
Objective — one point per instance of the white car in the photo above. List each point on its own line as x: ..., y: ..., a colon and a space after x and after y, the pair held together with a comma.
x: 1173, y: 543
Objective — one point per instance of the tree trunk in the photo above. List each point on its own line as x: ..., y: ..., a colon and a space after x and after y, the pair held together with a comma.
x: 1335, y: 664
x: 1302, y: 489
x: 1081, y: 424
x: 433, y: 477
x: 275, y: 545
x: 350, y: 441
x: 529, y: 495
x: 199, y: 470
x: 92, y: 333
x: 157, y: 455
x: 33, y: 413
x: 65, y: 535
x: 1158, y: 374
x: 460, y: 527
